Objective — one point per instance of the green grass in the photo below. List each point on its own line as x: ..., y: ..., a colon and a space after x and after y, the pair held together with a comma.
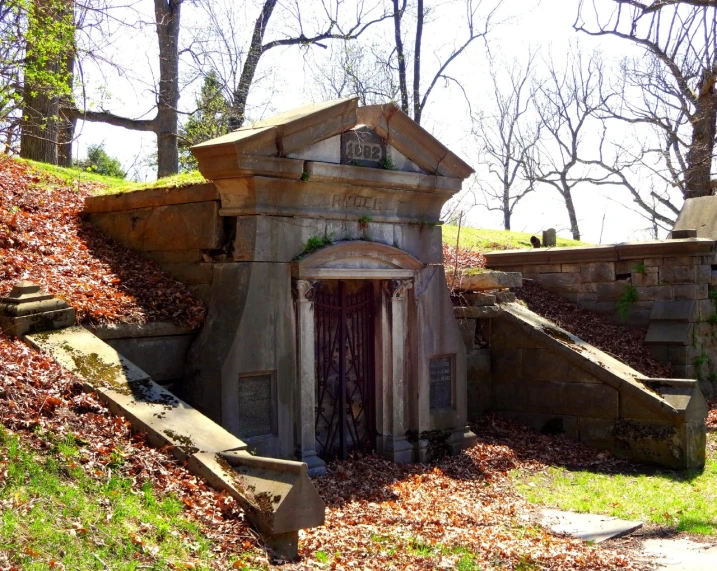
x: 488, y: 240
x: 685, y: 500
x: 114, y: 185
x: 52, y: 511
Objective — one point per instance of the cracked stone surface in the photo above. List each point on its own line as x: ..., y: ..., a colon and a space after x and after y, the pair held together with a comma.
x: 680, y: 555
x: 590, y: 527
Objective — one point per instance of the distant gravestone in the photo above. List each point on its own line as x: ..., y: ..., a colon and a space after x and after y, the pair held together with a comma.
x: 549, y: 238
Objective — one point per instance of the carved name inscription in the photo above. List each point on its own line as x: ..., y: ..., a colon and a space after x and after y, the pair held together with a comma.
x: 352, y: 201
x: 441, y: 382
x: 363, y: 147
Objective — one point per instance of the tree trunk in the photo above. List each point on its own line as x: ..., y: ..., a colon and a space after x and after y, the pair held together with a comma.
x: 417, y: 111
x: 41, y: 104
x: 66, y: 128
x: 568, y: 197
x: 506, y: 208
x: 167, y: 13
x: 241, y: 93
x: 397, y: 16
x: 38, y: 138
x: 704, y: 123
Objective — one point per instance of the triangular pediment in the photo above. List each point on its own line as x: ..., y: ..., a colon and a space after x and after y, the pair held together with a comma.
x: 338, y: 132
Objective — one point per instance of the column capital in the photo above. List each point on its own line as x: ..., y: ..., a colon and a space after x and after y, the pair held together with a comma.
x: 303, y: 290
x: 397, y: 289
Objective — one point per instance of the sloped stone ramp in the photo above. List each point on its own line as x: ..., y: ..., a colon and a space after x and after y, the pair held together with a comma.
x: 276, y: 495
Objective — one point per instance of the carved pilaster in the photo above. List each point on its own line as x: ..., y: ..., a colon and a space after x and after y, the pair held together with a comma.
x: 303, y: 290
x: 305, y: 434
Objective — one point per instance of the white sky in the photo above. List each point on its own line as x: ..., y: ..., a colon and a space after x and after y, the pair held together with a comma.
x: 288, y: 81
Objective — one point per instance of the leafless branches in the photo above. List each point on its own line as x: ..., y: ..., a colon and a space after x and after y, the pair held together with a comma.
x: 508, y: 137
x: 681, y: 38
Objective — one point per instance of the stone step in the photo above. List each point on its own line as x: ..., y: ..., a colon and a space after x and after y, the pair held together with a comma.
x: 590, y: 527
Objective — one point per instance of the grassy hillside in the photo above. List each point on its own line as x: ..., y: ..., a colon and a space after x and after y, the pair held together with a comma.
x: 57, y: 516
x: 110, y: 185
x: 489, y: 240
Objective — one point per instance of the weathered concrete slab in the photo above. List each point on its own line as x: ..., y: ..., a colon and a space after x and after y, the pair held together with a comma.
x: 485, y: 280
x: 590, y: 527
x: 135, y: 330
x: 680, y: 554
x: 77, y: 350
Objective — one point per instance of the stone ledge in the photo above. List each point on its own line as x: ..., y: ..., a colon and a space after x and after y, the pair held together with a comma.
x: 151, y: 197
x: 473, y: 312
x: 133, y: 330
x: 485, y: 280
x: 590, y: 254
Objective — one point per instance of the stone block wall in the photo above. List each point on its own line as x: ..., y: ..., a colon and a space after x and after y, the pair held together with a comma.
x: 526, y: 369
x: 668, y: 286
x: 178, y: 228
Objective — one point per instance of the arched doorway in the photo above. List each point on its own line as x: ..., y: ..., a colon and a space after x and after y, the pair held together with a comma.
x: 344, y: 314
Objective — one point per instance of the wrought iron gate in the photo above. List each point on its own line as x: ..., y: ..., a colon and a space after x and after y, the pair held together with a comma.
x: 344, y: 338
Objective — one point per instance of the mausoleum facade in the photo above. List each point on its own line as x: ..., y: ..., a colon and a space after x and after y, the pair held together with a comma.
x: 330, y: 328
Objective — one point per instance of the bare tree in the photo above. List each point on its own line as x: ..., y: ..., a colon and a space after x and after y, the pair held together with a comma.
x: 164, y: 123
x: 508, y: 138
x: 237, y: 65
x: 681, y: 38
x: 480, y: 18
x: 360, y: 70
x: 566, y: 103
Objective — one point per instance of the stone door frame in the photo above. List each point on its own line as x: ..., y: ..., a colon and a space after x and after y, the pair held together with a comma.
x: 395, y: 271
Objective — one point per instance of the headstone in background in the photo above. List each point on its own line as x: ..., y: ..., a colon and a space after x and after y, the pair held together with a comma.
x: 682, y: 234
x: 549, y: 238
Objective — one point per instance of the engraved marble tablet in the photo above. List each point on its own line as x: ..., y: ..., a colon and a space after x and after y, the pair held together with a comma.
x: 441, y: 382
x: 362, y: 147
x: 255, y: 405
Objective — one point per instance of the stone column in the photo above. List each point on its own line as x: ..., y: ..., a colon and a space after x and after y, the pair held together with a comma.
x: 305, y: 414
x: 394, y: 443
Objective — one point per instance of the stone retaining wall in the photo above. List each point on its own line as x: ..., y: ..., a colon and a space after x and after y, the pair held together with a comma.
x: 668, y: 286
x: 524, y: 368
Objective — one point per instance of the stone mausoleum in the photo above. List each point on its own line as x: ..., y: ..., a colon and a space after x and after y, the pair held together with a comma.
x: 330, y: 327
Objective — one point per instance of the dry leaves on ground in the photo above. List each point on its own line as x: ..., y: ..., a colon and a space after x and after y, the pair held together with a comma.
x: 44, y: 239
x: 462, y: 258
x: 36, y: 393
x: 386, y: 516
x: 624, y: 343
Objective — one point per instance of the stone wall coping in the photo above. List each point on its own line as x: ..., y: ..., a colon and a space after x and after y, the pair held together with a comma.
x: 587, y: 357
x: 133, y: 330
x: 607, y: 253
x: 151, y: 197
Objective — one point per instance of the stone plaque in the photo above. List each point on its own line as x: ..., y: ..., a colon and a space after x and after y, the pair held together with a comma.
x: 363, y: 147
x: 256, y: 405
x: 441, y: 381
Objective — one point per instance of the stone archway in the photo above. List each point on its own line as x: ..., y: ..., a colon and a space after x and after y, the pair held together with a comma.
x: 391, y: 273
